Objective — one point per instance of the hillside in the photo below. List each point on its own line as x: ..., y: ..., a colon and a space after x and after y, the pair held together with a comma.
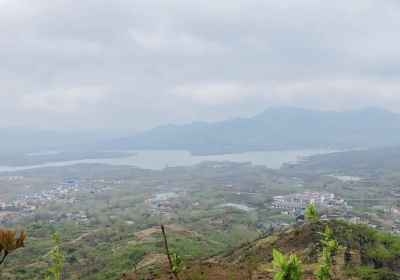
x: 275, y: 128
x: 369, y: 255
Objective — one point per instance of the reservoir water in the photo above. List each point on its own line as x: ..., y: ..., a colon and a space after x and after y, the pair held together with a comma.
x: 159, y: 159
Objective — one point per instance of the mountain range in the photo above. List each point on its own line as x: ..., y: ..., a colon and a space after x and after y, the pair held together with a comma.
x: 17, y: 138
x: 274, y: 128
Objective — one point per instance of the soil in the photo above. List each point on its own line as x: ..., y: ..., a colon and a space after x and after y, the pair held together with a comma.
x: 224, y: 266
x: 146, y: 235
x: 153, y: 259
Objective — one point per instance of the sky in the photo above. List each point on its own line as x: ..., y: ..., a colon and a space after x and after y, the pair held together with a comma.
x: 100, y: 64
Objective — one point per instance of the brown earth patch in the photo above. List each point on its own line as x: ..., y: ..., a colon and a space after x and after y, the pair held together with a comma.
x: 153, y: 259
x: 146, y: 235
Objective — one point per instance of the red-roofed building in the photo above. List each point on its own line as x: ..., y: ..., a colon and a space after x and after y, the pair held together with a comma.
x: 375, y: 215
x: 163, y: 207
x: 154, y: 210
x: 146, y: 201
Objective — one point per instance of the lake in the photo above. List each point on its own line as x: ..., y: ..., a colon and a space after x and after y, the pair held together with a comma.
x: 158, y: 159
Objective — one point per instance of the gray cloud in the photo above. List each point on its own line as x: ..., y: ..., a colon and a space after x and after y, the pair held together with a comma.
x: 137, y: 64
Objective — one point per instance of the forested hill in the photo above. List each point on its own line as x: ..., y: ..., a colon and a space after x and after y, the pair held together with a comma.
x: 275, y: 128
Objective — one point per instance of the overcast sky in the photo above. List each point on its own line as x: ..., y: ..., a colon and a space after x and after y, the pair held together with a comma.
x: 80, y: 64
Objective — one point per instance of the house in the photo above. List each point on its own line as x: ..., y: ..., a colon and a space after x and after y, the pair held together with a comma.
x: 85, y: 221
x: 354, y: 220
x: 278, y: 198
x: 300, y: 221
x: 287, y: 212
x: 130, y: 223
x: 266, y: 224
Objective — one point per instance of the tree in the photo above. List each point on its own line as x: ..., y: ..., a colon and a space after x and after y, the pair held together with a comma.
x: 155, y: 219
x: 379, y: 257
x: 289, y: 269
x: 176, y: 262
x: 252, y: 217
x: 311, y: 212
x: 57, y: 265
x: 9, y: 243
x: 176, y: 265
x: 324, y: 266
x: 252, y: 265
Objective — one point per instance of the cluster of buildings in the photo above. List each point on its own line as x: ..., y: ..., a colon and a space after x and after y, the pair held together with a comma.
x: 295, y: 204
x: 31, y: 201
x: 159, y: 207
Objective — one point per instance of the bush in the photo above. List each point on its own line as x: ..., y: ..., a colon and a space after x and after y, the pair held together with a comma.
x: 369, y: 273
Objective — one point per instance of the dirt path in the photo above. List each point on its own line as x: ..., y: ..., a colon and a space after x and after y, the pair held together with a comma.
x: 83, y: 235
x: 153, y: 259
x: 146, y: 235
x: 72, y: 241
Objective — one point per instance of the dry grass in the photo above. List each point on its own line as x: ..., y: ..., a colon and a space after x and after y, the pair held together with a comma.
x: 146, y: 235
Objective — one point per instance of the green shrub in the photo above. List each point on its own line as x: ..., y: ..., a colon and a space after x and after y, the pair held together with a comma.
x: 369, y: 273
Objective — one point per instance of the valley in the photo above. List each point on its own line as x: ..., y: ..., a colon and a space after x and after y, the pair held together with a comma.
x: 109, y: 216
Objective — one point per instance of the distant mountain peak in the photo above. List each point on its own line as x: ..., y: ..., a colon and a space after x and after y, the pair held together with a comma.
x: 275, y: 128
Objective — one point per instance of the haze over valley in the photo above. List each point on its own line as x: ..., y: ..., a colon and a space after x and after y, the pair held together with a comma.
x: 199, y: 140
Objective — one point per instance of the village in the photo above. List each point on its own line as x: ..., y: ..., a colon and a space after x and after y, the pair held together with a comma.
x: 27, y: 204
x: 329, y: 207
x: 292, y: 204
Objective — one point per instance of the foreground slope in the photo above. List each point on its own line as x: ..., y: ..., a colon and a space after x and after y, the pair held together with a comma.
x: 301, y: 240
